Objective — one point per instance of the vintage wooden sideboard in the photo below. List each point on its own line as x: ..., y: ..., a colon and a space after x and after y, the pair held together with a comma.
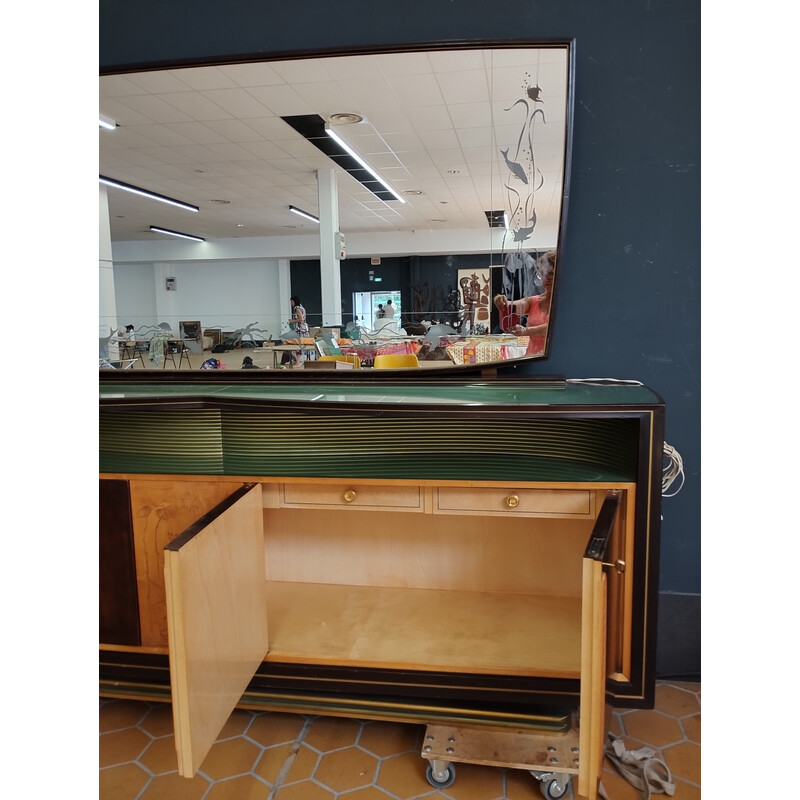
x: 478, y: 556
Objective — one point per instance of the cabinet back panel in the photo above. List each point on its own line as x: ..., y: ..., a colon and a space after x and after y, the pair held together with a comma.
x: 541, y: 556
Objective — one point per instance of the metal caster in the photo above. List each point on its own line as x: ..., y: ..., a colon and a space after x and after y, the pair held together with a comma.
x: 440, y: 774
x: 554, y: 785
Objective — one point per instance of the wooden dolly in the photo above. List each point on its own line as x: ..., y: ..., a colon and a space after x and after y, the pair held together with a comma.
x: 552, y: 758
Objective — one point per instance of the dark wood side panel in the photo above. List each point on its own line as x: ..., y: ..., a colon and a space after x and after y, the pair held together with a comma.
x: 119, y: 604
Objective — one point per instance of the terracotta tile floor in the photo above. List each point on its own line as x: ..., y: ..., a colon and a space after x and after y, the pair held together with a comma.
x: 276, y: 756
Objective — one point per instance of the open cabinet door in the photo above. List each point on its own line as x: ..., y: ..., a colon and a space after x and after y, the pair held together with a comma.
x: 594, y: 630
x: 217, y: 619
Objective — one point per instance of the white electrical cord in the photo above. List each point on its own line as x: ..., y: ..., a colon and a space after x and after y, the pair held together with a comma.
x: 673, y: 469
x: 603, y: 381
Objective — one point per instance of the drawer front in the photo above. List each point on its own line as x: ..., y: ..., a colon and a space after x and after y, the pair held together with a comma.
x: 344, y: 495
x: 577, y: 503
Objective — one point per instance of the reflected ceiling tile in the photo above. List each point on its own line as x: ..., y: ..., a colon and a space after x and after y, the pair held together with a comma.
x: 276, y: 99
x: 155, y: 109
x: 471, y: 115
x: 439, y: 140
x: 303, y: 70
x: 459, y: 60
x: 123, y: 114
x: 159, y: 81
x: 238, y: 102
x: 234, y: 131
x: 120, y: 86
x: 203, y: 79
x: 194, y: 132
x: 324, y: 98
x: 249, y: 75
x: 416, y: 90
x: 164, y: 135
x: 405, y: 64
x: 431, y: 118
x: 196, y: 105
x: 464, y: 87
x: 353, y: 67
x: 265, y: 149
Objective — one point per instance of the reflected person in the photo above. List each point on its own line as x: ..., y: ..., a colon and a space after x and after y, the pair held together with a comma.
x: 537, y: 307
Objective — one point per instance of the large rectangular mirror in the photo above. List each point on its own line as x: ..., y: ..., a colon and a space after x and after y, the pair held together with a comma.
x: 463, y: 234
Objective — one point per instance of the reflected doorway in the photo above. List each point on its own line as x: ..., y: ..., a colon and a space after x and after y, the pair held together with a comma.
x: 367, y: 307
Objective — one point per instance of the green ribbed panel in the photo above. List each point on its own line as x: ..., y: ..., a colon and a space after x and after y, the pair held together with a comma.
x: 428, y: 447
x: 213, y: 442
x: 170, y: 441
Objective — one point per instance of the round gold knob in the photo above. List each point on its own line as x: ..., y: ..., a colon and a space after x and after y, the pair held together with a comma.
x: 349, y: 496
x: 512, y: 501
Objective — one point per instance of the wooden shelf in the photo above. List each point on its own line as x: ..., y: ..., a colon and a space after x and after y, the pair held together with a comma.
x: 424, y: 629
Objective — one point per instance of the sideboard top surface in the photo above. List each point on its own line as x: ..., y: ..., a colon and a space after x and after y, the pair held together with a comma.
x: 474, y: 393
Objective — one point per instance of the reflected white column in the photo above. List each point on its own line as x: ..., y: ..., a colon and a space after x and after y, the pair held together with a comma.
x: 329, y: 266
x: 107, y: 296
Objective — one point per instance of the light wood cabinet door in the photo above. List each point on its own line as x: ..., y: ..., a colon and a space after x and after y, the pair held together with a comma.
x: 216, y: 619
x: 594, y: 633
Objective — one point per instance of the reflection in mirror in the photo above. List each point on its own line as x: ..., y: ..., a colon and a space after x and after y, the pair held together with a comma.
x: 468, y: 157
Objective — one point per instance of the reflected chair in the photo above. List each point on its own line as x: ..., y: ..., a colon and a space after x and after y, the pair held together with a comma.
x: 351, y: 358
x: 127, y: 349
x: 395, y: 361
x: 135, y: 349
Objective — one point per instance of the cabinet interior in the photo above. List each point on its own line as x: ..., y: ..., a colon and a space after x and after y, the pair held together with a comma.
x: 463, y: 592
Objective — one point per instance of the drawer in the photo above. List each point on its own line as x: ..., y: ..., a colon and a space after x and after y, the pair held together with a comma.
x: 577, y: 503
x: 346, y: 495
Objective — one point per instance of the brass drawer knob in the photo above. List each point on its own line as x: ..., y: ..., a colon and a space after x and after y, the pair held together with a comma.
x: 512, y: 501
x: 349, y: 496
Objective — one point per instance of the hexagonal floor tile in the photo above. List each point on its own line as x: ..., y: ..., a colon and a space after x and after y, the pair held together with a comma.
x: 653, y: 727
x: 478, y: 782
x: 684, y: 759
x: 275, y: 728
x: 122, y: 782
x: 160, y: 756
x: 158, y: 721
x: 118, y: 714
x: 351, y: 768
x: 404, y: 775
x: 332, y: 733
x: 229, y: 758
x: 304, y: 791
x: 390, y: 738
x: 174, y: 787
x: 245, y: 787
x: 676, y: 701
x: 120, y: 747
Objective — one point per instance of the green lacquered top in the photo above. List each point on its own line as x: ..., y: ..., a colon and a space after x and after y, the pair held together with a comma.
x: 477, y: 393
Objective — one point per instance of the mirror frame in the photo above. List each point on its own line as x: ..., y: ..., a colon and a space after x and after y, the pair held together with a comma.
x: 489, y: 370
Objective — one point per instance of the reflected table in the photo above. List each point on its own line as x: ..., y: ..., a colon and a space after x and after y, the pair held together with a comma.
x: 280, y: 349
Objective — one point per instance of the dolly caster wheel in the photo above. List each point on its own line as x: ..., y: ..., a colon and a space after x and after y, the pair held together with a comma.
x: 554, y: 785
x: 552, y: 790
x: 449, y: 775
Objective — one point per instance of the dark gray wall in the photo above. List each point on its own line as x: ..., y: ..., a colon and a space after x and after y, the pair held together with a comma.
x: 629, y: 293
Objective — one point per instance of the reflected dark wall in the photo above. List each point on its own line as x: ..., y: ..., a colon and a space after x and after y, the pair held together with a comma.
x: 629, y: 283
x: 423, y: 282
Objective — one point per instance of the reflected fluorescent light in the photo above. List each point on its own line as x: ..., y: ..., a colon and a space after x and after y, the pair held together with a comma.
x: 144, y: 193
x: 106, y: 122
x: 177, y: 233
x: 301, y: 213
x: 505, y: 220
x: 336, y: 138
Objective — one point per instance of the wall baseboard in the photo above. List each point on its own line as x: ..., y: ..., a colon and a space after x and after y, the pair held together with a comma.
x: 678, y: 641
